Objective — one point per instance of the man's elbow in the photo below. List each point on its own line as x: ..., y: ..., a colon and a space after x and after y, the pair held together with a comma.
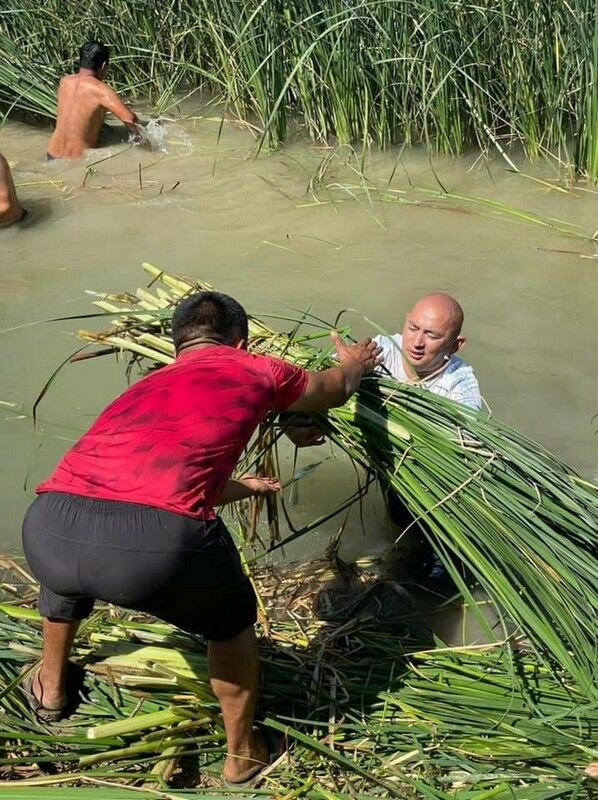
x: 344, y: 393
x: 337, y: 393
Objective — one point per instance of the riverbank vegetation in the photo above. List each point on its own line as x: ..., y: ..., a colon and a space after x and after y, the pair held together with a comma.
x: 366, y: 713
x: 450, y: 75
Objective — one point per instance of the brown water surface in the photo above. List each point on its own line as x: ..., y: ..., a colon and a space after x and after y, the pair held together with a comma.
x: 266, y: 230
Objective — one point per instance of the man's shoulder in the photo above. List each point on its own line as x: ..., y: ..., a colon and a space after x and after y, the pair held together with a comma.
x: 87, y: 82
x: 217, y: 364
x: 390, y: 338
x: 392, y: 360
x: 95, y: 85
x: 458, y: 371
x: 263, y: 361
x: 461, y: 384
x: 66, y: 82
x: 227, y: 358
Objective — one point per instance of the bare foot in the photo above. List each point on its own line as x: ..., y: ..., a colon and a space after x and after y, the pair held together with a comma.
x: 592, y: 770
x: 242, y: 766
x: 48, y: 695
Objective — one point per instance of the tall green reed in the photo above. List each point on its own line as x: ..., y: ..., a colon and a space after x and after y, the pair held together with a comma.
x: 447, y: 75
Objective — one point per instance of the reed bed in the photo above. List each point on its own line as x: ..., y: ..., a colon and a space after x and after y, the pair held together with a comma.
x: 366, y: 714
x: 448, y: 75
x: 499, y: 510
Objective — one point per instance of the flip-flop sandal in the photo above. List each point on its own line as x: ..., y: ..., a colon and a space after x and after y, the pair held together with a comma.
x: 42, y: 712
x: 276, y: 747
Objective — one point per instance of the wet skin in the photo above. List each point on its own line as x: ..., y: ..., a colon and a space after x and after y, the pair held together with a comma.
x: 11, y: 210
x: 83, y: 100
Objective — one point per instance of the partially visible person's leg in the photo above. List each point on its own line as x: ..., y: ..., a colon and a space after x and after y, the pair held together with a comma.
x: 10, y: 208
x: 234, y: 669
x: 49, y: 685
x: 188, y: 573
x: 208, y: 593
x: 52, y: 551
x: 405, y: 559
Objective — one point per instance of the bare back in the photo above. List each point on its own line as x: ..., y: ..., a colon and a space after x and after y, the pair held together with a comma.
x: 83, y: 101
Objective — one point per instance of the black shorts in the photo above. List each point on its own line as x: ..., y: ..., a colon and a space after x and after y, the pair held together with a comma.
x: 182, y: 570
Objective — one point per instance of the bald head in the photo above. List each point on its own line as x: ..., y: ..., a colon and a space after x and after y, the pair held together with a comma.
x: 445, y: 309
x: 432, y: 332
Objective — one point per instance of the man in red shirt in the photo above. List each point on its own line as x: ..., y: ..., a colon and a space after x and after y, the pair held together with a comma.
x: 128, y: 515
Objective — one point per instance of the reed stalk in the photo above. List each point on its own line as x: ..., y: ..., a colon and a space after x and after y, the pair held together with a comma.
x: 462, y: 723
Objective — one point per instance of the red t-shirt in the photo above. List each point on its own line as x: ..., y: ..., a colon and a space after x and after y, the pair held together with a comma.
x: 173, y: 439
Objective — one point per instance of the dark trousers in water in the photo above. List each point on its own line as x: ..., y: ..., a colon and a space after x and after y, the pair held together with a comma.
x: 411, y: 552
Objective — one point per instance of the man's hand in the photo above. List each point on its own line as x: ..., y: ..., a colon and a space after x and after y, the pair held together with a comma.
x: 137, y: 134
x: 301, y: 429
x: 247, y: 486
x: 366, y: 354
x: 260, y: 487
x: 332, y: 387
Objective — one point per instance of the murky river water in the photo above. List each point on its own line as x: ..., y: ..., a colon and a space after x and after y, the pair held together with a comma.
x: 253, y: 228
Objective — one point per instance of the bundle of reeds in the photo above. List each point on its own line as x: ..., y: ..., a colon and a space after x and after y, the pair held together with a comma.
x: 365, y: 715
x: 387, y: 71
x: 495, y: 506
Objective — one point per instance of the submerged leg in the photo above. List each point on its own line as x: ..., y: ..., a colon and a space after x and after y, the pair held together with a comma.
x: 234, y: 667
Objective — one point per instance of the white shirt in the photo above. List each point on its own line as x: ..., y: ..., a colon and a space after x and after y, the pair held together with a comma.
x: 457, y: 381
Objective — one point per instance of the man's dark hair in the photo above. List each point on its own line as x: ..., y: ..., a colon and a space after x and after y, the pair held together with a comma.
x: 93, y: 55
x: 209, y: 315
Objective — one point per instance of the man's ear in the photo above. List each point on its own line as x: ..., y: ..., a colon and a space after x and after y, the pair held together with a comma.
x: 459, y: 342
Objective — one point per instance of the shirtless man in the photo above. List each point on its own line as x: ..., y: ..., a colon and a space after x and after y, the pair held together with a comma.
x: 10, y: 208
x: 83, y: 100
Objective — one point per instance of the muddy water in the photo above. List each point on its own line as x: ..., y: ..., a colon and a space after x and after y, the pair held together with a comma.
x: 279, y: 232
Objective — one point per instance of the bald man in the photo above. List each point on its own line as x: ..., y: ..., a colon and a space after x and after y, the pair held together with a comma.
x: 424, y: 354
x: 10, y: 209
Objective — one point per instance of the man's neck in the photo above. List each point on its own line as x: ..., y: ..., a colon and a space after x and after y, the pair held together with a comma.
x: 84, y: 72
x: 413, y: 374
x: 199, y: 344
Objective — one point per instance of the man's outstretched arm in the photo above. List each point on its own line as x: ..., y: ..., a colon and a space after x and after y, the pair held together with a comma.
x: 247, y: 486
x: 112, y: 103
x: 333, y: 387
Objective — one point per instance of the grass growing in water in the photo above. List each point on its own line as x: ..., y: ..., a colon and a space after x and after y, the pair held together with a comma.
x: 450, y: 75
